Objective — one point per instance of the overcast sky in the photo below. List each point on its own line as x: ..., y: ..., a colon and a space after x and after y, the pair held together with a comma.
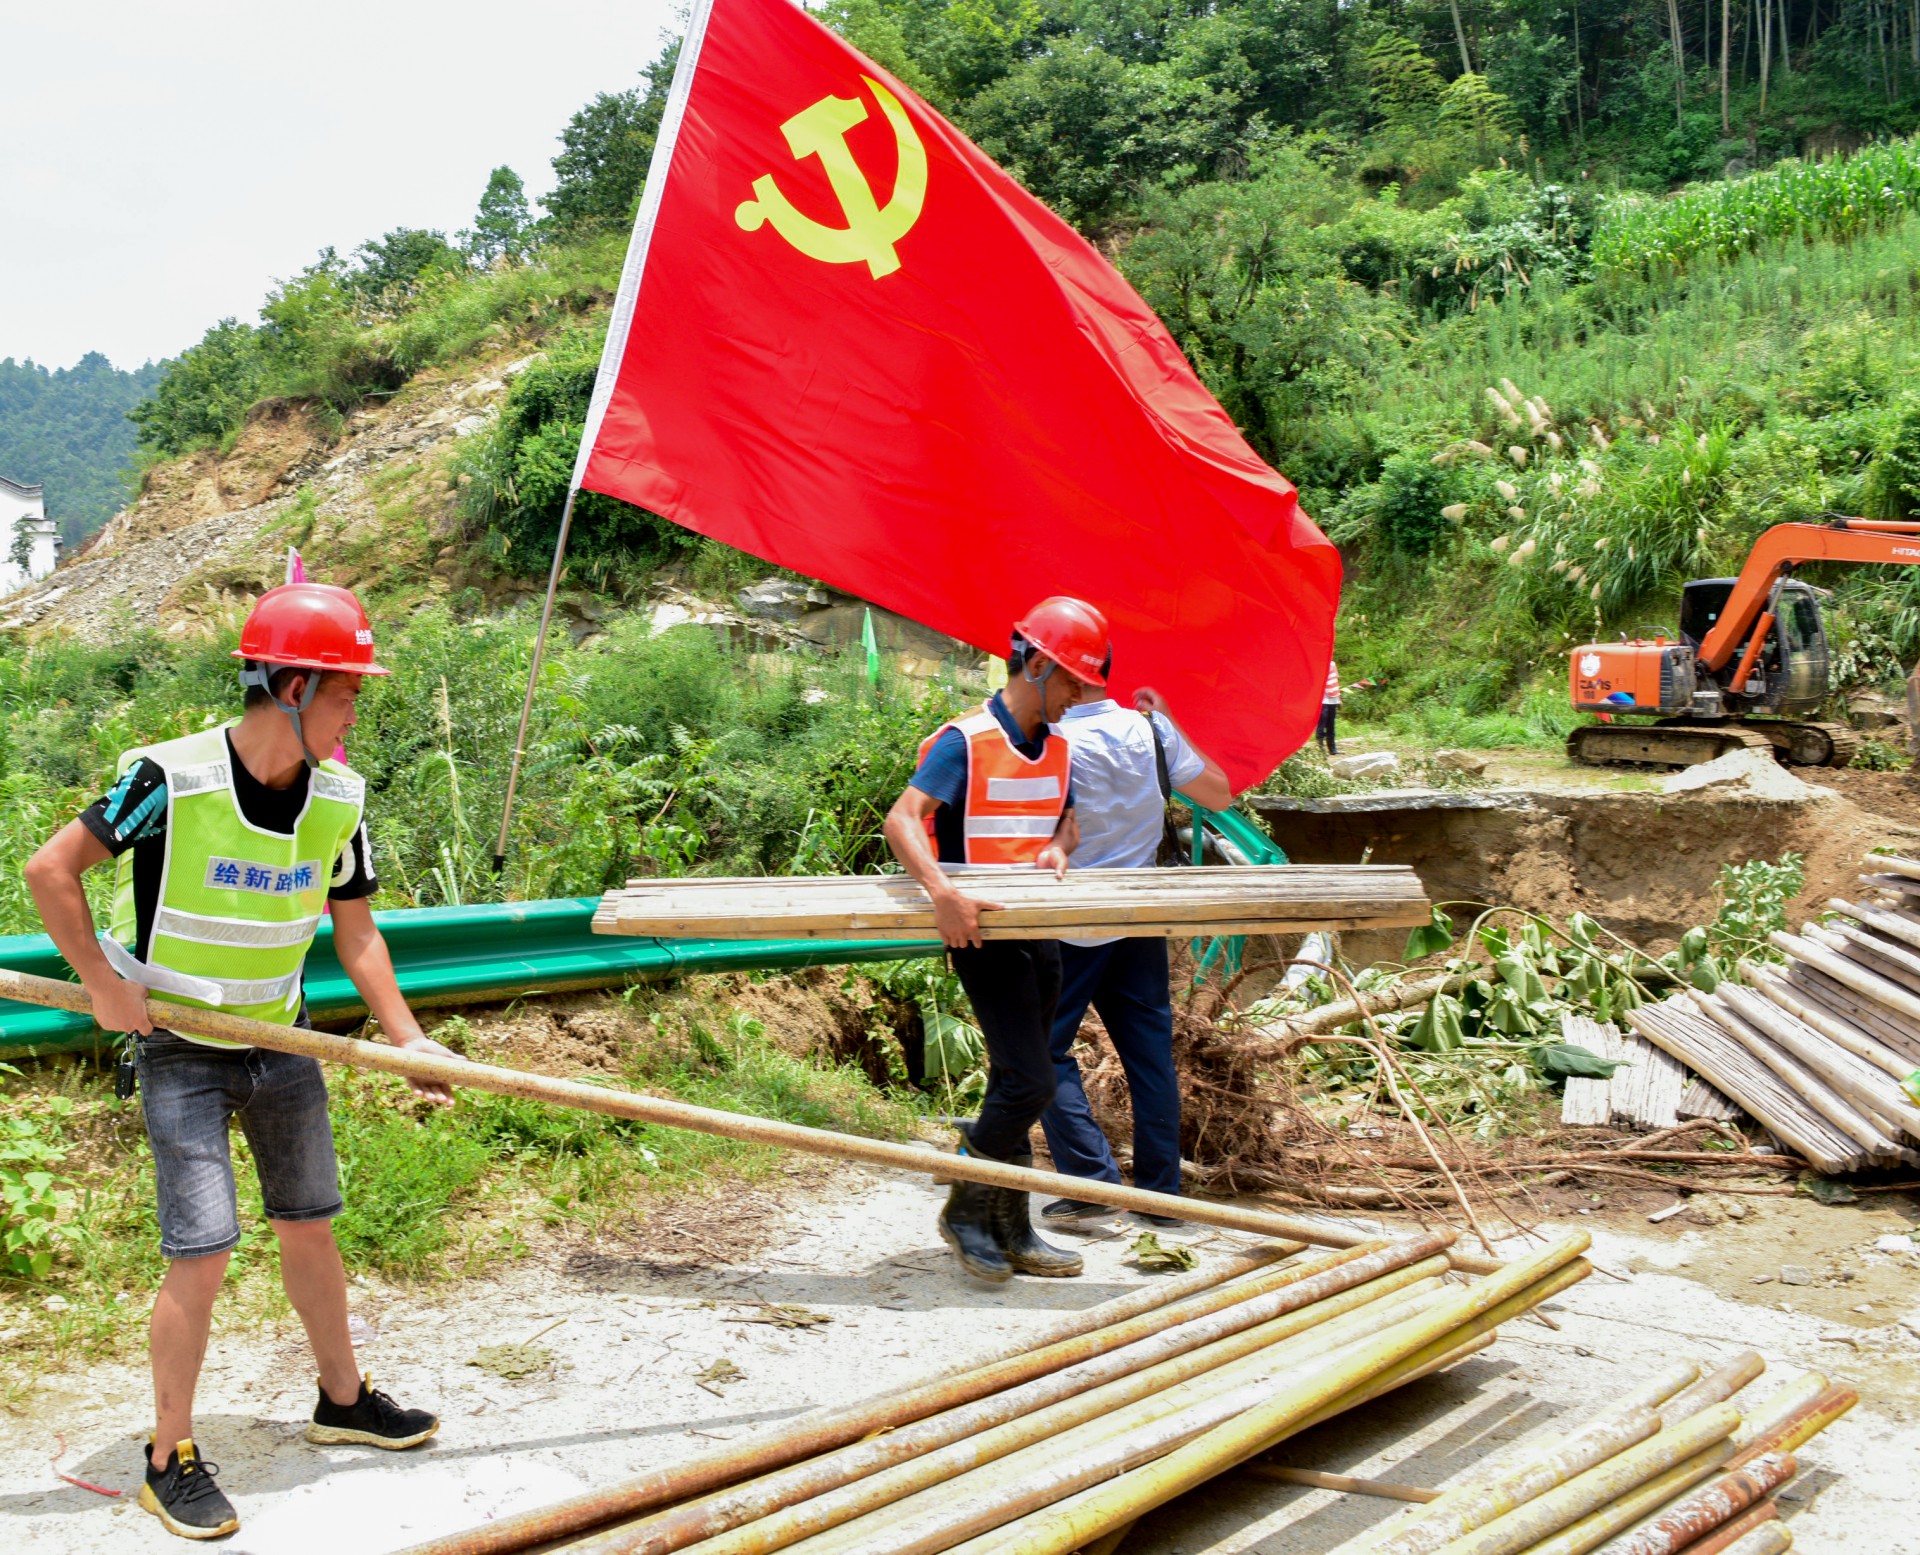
x: 161, y: 165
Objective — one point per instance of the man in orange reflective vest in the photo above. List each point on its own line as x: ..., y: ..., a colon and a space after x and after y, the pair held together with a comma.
x: 993, y: 789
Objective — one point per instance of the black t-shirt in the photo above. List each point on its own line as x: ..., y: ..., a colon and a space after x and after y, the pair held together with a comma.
x: 133, y: 814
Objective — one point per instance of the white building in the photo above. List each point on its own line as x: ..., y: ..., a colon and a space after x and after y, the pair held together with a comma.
x: 25, y: 532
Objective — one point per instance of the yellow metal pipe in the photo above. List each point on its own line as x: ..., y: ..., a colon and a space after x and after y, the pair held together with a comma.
x: 1767, y: 1539
x: 883, y: 1509
x: 1716, y: 1387
x: 448, y: 1070
x: 1647, y: 1397
x: 1458, y: 1512
x: 1071, y: 1339
x: 1782, y: 1404
x: 1601, y: 1524
x: 1461, y: 1510
x: 1452, y: 1323
x: 1548, y: 1514
x: 959, y: 1439
x: 1394, y: 1377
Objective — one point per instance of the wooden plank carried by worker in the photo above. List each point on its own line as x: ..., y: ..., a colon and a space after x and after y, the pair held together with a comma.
x: 1030, y: 903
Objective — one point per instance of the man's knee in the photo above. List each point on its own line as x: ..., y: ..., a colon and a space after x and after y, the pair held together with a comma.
x: 302, y: 1233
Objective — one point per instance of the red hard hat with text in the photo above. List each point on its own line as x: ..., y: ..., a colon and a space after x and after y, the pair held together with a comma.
x: 1073, y: 634
x: 310, y: 626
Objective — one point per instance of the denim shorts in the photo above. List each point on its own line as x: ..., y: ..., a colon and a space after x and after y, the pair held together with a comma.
x: 189, y: 1092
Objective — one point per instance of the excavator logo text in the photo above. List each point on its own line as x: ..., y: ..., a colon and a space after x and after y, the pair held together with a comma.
x: 872, y: 229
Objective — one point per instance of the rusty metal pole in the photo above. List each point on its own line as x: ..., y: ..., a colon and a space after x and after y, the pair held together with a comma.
x: 705, y: 1120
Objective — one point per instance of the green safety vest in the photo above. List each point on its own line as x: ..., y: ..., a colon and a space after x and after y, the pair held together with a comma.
x: 238, y: 906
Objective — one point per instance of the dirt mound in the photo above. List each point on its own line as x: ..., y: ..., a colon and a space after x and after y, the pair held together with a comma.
x: 1645, y: 864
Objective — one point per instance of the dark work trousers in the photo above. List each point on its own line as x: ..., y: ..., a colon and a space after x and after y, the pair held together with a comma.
x: 1014, y: 985
x: 1126, y: 981
x: 1329, y: 715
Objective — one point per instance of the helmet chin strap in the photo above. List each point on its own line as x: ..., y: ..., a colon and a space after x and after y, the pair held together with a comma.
x: 261, y: 675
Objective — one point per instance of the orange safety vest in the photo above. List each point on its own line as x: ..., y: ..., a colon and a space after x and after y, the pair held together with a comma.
x: 1013, y: 804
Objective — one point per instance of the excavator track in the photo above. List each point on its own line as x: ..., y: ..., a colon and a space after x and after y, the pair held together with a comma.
x: 1659, y: 745
x: 1680, y: 744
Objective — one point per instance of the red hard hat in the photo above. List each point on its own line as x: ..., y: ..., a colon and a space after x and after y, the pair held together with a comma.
x: 1071, y: 633
x: 310, y: 626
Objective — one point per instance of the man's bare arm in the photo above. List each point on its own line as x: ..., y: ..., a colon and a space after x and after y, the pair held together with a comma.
x: 365, y: 959
x: 1210, y: 789
x: 955, y: 915
x: 53, y: 875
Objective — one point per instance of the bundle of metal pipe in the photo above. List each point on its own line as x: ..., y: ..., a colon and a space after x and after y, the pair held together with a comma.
x: 1197, y: 1383
x: 1677, y: 1464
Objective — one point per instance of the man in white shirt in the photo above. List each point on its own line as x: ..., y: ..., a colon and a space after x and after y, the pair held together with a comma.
x: 1126, y: 762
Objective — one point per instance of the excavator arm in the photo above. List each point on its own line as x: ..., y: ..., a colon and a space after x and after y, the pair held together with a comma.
x: 1776, y: 553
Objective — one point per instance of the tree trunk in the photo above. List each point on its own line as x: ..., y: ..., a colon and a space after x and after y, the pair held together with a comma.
x: 1726, y: 124
x: 1460, y: 36
x: 1766, y: 49
x: 1746, y: 43
x: 1580, y: 72
x: 1679, y: 64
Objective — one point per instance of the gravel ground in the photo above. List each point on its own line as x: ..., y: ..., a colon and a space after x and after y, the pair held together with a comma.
x: 631, y: 1340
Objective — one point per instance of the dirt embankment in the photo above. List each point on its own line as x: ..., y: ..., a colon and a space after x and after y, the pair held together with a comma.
x: 371, y: 503
x: 1645, y: 864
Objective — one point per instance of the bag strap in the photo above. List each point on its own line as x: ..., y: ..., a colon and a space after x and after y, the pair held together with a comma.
x: 1160, y: 768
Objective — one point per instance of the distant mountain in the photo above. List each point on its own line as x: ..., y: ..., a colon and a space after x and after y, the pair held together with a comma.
x: 68, y: 431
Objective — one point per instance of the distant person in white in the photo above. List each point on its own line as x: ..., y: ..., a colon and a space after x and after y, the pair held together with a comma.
x: 1126, y: 762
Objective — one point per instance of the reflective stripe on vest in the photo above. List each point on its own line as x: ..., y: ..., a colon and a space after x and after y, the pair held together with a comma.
x: 238, y: 906
x: 1013, y: 804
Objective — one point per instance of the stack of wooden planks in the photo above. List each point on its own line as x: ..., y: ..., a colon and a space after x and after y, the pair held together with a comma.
x: 1647, y: 1092
x: 1825, y: 1051
x: 1030, y: 903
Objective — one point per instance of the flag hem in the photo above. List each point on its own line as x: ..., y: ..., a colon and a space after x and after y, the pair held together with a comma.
x: 620, y: 325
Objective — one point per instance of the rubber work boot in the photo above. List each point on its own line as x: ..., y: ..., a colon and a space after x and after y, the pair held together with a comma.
x: 184, y: 1496
x: 1022, y: 1247
x: 967, y: 1225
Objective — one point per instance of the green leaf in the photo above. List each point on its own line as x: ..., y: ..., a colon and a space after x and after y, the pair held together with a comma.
x: 1430, y: 938
x: 1824, y: 1190
x: 1150, y: 1253
x: 1565, y: 1060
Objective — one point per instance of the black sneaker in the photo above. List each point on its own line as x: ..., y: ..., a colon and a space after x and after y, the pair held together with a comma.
x: 1161, y: 1222
x: 184, y: 1496
x: 371, y: 1420
x: 1071, y: 1212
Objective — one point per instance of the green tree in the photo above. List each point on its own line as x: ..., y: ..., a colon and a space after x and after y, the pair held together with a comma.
x: 67, y: 429
x: 388, y: 271
x: 205, y: 392
x: 502, y: 226
x: 605, y: 150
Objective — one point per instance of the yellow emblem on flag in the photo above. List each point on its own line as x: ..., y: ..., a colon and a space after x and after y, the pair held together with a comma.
x: 872, y: 229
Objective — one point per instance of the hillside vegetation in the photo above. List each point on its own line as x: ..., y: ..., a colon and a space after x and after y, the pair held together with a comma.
x: 1527, y: 387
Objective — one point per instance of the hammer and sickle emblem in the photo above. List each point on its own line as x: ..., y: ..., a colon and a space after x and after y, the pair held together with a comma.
x: 871, y: 229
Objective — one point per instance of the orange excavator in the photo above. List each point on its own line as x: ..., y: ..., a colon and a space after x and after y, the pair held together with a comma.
x: 1749, y: 663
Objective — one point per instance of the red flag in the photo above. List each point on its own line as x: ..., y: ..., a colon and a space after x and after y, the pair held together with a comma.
x: 848, y: 343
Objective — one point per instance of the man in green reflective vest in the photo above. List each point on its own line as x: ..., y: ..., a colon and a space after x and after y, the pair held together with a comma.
x: 229, y: 844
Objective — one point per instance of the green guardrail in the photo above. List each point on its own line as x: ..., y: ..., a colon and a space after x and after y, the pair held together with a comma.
x: 464, y: 955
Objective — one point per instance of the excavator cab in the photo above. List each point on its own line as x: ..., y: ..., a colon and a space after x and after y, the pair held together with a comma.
x: 1751, y: 666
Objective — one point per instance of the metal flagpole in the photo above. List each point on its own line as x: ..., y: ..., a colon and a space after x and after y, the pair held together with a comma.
x: 618, y: 327
x: 533, y: 680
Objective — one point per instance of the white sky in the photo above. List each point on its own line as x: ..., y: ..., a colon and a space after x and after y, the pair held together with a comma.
x: 162, y: 164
